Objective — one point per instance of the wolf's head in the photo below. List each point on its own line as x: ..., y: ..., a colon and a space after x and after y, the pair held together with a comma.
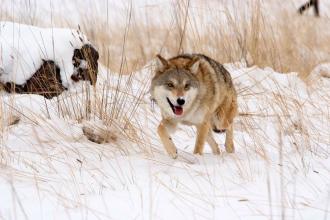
x: 175, y: 88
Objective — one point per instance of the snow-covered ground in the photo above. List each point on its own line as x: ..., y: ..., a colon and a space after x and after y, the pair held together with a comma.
x: 50, y: 170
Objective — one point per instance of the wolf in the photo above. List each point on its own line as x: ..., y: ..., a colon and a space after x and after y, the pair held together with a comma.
x: 194, y: 90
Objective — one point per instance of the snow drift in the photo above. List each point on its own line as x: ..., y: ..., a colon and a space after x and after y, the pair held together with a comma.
x: 279, y: 168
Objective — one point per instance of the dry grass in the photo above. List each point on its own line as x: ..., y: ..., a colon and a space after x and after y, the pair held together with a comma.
x: 287, y: 43
x: 127, y: 46
x: 231, y: 36
x: 284, y: 41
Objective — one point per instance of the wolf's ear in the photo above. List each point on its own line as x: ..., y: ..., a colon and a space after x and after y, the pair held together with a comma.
x: 193, y: 65
x: 161, y: 63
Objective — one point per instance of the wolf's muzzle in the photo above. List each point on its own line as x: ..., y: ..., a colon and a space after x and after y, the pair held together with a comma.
x: 180, y: 101
x: 177, y: 110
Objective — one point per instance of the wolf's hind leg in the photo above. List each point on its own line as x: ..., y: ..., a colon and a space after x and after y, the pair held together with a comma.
x: 166, y: 139
x: 230, y: 111
x: 213, y: 144
x: 202, y: 134
x: 229, y: 143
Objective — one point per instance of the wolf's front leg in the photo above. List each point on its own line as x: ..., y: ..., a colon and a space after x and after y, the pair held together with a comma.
x: 166, y: 139
x: 229, y: 143
x: 202, y: 133
x: 213, y: 144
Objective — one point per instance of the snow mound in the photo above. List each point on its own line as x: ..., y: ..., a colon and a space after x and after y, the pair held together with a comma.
x: 23, y: 49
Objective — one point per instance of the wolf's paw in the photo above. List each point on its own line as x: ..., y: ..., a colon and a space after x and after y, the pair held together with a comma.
x: 230, y: 148
x: 197, y: 151
x: 216, y: 151
x: 174, y: 155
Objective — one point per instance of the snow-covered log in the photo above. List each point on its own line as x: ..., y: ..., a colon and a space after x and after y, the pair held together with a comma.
x: 44, y: 61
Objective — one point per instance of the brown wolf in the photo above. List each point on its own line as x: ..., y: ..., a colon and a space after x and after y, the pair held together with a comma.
x: 194, y: 89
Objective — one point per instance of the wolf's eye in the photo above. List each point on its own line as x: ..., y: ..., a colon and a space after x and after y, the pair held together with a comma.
x: 170, y: 85
x: 187, y: 86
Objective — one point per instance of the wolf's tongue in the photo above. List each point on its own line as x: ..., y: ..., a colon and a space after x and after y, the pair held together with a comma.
x: 178, y: 110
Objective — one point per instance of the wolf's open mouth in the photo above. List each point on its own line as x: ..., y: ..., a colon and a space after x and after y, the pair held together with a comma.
x: 178, y: 110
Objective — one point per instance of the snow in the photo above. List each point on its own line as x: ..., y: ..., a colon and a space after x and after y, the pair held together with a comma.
x: 51, y: 170
x: 23, y: 49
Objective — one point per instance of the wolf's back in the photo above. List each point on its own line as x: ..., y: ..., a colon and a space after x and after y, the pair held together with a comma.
x: 221, y: 74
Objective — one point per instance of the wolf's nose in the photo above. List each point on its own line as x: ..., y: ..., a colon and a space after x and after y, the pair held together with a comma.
x: 180, y: 101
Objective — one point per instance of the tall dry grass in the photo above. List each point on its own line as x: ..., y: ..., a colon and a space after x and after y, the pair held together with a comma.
x: 261, y: 32
x: 283, y: 40
x: 287, y: 42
